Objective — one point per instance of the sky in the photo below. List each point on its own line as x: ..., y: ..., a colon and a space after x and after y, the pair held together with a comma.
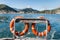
x: 35, y: 4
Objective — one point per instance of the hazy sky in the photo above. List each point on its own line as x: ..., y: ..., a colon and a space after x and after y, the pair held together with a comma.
x: 35, y: 4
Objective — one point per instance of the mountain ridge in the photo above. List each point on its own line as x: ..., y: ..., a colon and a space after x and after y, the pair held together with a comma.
x: 7, y: 9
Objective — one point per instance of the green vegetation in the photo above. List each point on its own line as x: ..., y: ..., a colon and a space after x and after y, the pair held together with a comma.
x: 29, y: 10
x: 53, y: 11
x: 6, y: 9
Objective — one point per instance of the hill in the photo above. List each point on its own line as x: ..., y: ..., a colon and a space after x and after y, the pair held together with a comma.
x: 6, y: 9
x: 29, y: 10
x: 53, y: 11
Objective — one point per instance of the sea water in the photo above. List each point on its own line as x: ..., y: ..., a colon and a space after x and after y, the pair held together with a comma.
x: 6, y: 18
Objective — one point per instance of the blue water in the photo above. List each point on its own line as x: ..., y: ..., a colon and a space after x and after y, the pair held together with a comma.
x: 53, y: 18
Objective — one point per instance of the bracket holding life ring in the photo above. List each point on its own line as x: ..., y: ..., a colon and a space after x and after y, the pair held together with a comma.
x: 35, y: 32
x: 16, y: 32
x: 44, y: 33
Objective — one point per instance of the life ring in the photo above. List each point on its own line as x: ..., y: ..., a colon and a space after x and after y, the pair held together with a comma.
x: 16, y: 32
x: 44, y: 33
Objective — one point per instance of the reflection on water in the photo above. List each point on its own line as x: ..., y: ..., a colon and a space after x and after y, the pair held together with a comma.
x: 53, y: 18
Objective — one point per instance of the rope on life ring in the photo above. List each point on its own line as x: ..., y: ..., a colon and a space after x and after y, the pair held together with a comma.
x: 16, y: 32
x: 44, y: 33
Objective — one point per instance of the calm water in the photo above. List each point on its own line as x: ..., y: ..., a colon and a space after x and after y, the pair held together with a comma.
x: 53, y: 18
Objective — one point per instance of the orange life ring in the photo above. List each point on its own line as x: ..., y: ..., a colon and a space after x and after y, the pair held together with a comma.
x: 44, y: 33
x: 16, y: 32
